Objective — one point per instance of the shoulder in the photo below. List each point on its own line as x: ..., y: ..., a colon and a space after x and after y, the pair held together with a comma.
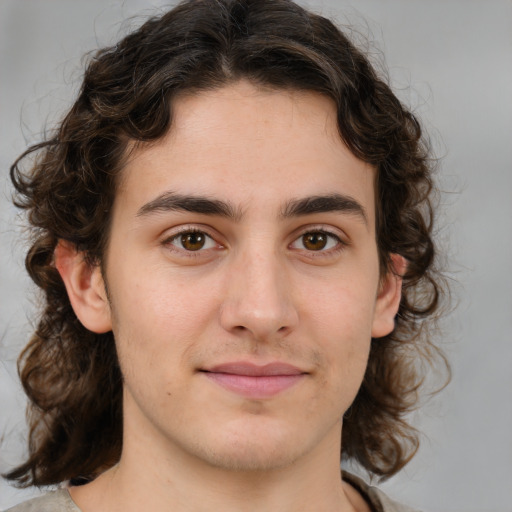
x: 55, y: 501
x: 387, y: 504
x: 378, y: 500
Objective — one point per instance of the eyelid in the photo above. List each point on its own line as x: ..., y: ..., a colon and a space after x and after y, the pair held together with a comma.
x: 324, y: 228
x: 341, y: 238
x: 174, y: 233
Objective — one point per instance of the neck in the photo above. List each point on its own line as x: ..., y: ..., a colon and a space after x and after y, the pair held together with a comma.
x: 154, y: 474
x: 137, y: 483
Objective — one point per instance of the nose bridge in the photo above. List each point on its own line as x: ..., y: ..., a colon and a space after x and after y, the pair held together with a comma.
x: 259, y: 294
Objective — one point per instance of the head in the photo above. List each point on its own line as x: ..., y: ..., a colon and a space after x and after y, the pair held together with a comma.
x: 135, y: 104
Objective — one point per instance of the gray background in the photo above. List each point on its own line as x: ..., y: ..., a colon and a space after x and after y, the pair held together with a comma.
x: 451, y: 60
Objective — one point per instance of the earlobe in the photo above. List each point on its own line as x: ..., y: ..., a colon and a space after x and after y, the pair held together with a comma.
x: 85, y: 286
x: 388, y: 299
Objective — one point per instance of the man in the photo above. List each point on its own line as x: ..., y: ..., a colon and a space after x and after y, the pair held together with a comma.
x: 232, y: 228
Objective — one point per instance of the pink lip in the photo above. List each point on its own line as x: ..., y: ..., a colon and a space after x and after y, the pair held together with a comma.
x: 254, y: 381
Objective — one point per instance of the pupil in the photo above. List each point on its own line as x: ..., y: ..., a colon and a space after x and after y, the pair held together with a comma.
x: 315, y: 241
x: 193, y: 241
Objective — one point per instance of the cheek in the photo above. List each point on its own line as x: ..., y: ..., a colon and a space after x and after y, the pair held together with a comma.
x: 159, y: 298
x: 159, y: 317
x: 345, y: 306
x: 341, y: 319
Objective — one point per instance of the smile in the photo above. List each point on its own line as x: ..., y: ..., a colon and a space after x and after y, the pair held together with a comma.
x: 252, y: 381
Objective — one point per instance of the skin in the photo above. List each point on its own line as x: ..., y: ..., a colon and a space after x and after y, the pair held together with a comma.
x: 302, y: 289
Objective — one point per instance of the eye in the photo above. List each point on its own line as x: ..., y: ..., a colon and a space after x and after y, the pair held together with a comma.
x: 318, y: 241
x: 192, y: 241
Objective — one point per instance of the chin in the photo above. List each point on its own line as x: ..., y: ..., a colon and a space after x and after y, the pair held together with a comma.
x: 252, y: 450
x: 250, y: 457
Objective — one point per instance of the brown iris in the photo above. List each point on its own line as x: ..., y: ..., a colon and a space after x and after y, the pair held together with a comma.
x: 315, y: 241
x: 193, y: 241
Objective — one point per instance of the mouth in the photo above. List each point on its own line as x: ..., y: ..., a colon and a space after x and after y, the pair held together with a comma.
x: 255, y: 381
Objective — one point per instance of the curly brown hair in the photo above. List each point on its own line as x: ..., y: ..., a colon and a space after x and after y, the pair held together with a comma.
x: 71, y: 375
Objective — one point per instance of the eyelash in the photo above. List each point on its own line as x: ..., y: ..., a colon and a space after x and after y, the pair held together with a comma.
x: 168, y: 242
x: 340, y: 244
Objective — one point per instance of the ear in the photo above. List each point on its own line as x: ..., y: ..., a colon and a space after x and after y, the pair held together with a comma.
x: 85, y: 287
x: 388, y: 299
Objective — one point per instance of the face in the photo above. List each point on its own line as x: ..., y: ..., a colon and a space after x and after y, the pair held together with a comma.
x: 243, y: 279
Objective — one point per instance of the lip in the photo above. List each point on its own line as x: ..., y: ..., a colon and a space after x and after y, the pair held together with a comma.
x: 255, y: 381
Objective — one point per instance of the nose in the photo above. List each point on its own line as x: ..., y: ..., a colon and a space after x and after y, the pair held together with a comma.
x: 259, y: 299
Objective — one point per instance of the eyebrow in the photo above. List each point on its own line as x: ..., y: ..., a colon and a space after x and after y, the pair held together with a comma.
x: 324, y: 204
x: 171, y: 201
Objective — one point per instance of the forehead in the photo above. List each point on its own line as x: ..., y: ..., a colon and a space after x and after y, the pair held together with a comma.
x: 249, y: 145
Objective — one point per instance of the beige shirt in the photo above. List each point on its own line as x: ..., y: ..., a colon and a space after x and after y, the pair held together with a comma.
x: 60, y: 500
